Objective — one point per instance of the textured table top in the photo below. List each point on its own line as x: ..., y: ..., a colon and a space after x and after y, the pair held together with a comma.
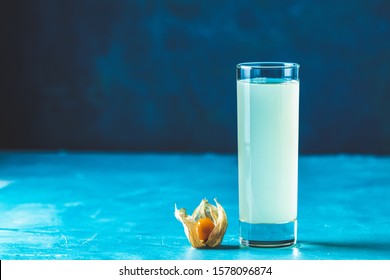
x: 58, y: 205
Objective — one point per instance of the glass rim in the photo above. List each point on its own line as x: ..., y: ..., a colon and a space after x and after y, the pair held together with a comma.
x: 267, y: 65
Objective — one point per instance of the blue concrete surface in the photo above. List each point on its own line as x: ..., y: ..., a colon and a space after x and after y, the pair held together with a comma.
x: 120, y: 206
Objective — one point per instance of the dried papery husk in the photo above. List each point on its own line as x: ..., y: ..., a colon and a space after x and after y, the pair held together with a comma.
x: 204, y: 210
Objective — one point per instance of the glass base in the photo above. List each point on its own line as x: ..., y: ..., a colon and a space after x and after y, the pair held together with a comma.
x: 268, y: 235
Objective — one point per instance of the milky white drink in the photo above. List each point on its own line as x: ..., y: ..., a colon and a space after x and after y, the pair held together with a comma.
x: 267, y: 150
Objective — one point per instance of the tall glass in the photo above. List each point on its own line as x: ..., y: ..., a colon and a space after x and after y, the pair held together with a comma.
x: 268, y: 107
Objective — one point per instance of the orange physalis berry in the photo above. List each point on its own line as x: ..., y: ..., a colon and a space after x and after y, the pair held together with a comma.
x: 204, y: 228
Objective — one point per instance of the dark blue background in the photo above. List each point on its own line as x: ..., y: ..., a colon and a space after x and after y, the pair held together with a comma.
x: 160, y: 75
